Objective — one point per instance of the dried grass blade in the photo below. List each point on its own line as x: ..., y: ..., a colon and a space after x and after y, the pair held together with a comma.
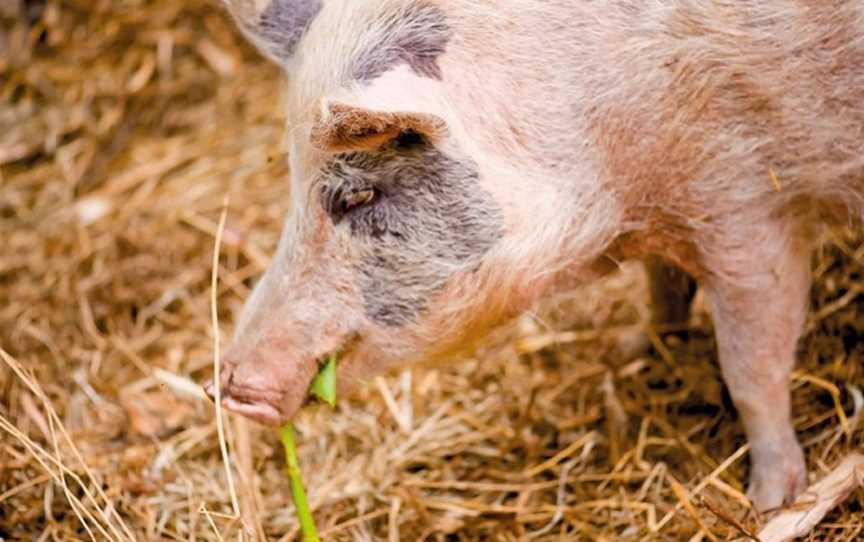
x: 217, y: 372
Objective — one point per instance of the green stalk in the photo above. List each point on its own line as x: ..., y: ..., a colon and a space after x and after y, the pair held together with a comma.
x: 307, y: 522
x: 324, y: 388
x: 324, y: 385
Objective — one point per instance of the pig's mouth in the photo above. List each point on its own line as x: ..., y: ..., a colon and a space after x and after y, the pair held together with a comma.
x: 252, y: 402
x: 272, y: 393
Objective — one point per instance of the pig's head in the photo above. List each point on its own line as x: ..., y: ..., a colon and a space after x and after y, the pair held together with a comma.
x: 380, y: 261
x: 400, y: 245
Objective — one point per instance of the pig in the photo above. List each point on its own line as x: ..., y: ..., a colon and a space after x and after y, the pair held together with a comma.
x: 453, y: 162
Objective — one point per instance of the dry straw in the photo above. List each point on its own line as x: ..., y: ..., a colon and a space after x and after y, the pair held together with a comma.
x: 123, y: 125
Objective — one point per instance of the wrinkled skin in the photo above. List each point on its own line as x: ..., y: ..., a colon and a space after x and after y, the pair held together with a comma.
x: 453, y: 162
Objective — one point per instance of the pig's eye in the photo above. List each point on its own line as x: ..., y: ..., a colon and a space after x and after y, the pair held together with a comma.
x: 359, y: 198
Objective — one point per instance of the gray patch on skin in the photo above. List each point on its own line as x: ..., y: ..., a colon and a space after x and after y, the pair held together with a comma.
x: 283, y: 24
x: 429, y: 221
x: 416, y: 36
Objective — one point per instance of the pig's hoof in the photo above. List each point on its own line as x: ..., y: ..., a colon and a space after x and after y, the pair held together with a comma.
x: 776, y: 484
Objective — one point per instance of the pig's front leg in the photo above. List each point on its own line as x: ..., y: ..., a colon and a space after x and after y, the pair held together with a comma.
x: 759, y: 291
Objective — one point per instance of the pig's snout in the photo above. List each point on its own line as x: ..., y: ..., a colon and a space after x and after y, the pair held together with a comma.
x: 267, y: 389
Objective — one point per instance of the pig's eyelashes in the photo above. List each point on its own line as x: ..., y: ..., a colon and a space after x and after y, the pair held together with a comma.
x: 359, y: 198
x: 339, y: 202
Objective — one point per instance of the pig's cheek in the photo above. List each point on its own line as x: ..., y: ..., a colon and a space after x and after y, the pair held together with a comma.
x: 356, y: 371
x: 378, y: 348
x: 346, y: 384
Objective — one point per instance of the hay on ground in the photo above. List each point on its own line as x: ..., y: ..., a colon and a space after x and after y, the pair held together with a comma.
x: 124, y: 125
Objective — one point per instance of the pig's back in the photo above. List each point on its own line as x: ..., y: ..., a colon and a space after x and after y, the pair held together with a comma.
x: 673, y: 102
x: 715, y: 108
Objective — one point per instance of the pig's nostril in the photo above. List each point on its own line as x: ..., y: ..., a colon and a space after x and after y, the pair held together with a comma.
x: 226, y: 378
x: 210, y: 390
x: 226, y: 372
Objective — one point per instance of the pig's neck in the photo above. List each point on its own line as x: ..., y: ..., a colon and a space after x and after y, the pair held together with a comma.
x: 525, y: 80
x: 559, y: 216
x: 523, y: 96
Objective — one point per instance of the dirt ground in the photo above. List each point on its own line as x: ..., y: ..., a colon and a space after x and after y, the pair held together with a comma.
x: 124, y: 124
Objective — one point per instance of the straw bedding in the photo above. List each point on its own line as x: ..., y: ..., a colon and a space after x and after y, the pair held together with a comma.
x: 125, y: 123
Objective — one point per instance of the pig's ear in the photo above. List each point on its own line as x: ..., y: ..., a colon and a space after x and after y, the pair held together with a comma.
x: 275, y: 26
x: 342, y: 128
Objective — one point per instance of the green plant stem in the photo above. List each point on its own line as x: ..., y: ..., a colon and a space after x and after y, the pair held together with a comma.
x: 307, y: 522
x: 324, y: 384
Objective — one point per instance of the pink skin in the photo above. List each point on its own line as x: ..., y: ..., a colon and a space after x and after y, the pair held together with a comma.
x: 713, y: 139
